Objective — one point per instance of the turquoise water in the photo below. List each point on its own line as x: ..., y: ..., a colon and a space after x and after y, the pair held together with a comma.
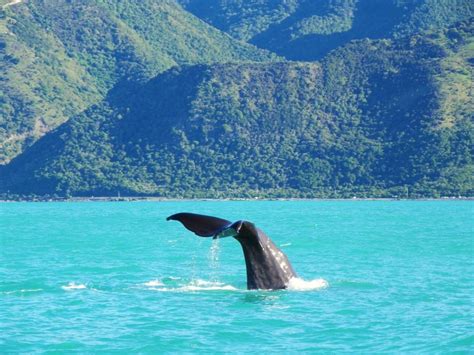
x: 92, y: 277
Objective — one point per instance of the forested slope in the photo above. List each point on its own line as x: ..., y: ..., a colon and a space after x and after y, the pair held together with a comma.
x: 374, y: 118
x: 58, y: 57
x: 309, y: 29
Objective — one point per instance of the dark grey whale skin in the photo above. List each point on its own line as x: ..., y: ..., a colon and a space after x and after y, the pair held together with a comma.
x: 267, y: 266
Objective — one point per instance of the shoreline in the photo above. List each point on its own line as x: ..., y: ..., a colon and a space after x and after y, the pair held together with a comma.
x: 168, y: 199
x: 11, y: 3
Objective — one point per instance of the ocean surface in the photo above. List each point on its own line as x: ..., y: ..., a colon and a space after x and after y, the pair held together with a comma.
x: 375, y: 277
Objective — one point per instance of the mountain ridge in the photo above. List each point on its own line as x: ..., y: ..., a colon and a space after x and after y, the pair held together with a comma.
x: 156, y: 102
x: 272, y: 129
x: 309, y: 29
x: 58, y: 58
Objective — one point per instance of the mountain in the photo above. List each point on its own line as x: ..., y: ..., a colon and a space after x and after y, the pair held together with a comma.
x: 309, y: 29
x: 374, y: 118
x: 58, y: 57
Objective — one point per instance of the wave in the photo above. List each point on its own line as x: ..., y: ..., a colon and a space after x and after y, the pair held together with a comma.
x: 193, y: 285
x: 201, y: 288
x: 362, y: 284
x: 21, y: 291
x: 174, y: 284
x: 297, y: 284
x: 73, y: 286
x: 198, y: 284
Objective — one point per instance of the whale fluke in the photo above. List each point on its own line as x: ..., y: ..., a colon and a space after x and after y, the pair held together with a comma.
x: 267, y: 266
x: 203, y: 226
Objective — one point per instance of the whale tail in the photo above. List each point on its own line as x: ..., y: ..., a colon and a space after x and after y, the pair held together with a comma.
x: 267, y: 266
x: 203, y: 226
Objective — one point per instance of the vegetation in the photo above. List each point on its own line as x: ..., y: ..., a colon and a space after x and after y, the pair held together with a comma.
x: 309, y: 29
x: 59, y: 57
x: 375, y: 118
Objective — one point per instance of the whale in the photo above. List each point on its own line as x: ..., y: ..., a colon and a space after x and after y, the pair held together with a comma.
x: 268, y: 268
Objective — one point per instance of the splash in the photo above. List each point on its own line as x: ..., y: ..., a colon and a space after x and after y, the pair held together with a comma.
x: 153, y: 283
x: 297, y: 284
x: 214, y: 254
x: 74, y: 286
x: 213, y: 257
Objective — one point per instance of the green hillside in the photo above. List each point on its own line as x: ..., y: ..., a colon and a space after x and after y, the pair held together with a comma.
x: 309, y: 29
x: 374, y: 118
x: 58, y: 57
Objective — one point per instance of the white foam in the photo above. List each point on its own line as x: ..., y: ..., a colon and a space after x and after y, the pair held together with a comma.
x: 74, y: 286
x: 204, y: 283
x: 207, y: 288
x: 285, y: 245
x: 297, y: 284
x: 198, y: 285
x: 22, y: 291
x: 153, y: 283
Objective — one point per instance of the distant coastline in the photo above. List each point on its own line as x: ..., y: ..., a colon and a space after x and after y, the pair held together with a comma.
x: 171, y: 199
